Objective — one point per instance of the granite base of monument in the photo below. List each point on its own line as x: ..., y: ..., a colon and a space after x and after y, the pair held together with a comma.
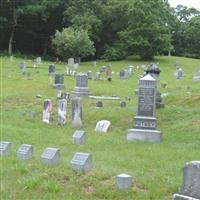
x: 81, y: 92
x: 183, y: 197
x: 144, y: 135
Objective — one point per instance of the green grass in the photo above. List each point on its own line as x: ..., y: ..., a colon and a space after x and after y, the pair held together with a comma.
x: 156, y: 168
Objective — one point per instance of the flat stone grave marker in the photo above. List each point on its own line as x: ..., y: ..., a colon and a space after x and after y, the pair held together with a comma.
x: 81, y: 162
x: 51, y: 156
x: 5, y: 148
x: 79, y: 137
x: 123, y: 181
x: 102, y: 126
x: 25, y: 152
x: 190, y: 188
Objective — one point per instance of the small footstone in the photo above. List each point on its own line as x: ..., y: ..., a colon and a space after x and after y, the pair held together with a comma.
x: 79, y: 137
x: 81, y: 162
x: 123, y: 181
x: 25, y: 152
x: 5, y: 148
x: 51, y: 156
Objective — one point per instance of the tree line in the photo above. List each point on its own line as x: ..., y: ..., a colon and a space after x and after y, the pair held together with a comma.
x: 110, y: 29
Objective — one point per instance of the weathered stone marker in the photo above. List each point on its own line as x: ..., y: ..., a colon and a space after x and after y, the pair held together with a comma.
x: 25, y: 152
x: 47, y: 109
x: 81, y: 162
x: 123, y: 74
x: 59, y: 81
x: 190, y: 189
x: 5, y: 148
x: 81, y: 89
x: 196, y: 77
x: 99, y: 104
x: 79, y: 137
x: 145, y: 121
x: 77, y: 113
x: 102, y: 126
x: 62, y: 110
x: 52, y: 70
x: 123, y: 181
x: 122, y: 104
x: 51, y: 156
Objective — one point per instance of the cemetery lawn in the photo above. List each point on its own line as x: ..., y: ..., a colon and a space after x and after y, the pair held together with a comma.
x: 156, y: 168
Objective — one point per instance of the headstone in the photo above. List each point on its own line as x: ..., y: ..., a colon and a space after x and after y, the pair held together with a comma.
x: 52, y: 70
x: 81, y: 89
x: 190, y: 189
x: 81, y: 162
x: 59, y: 81
x: 102, y: 126
x: 179, y: 74
x: 145, y: 121
x: 38, y: 60
x: 196, y: 77
x: 62, y: 110
x: 89, y: 74
x: 25, y: 152
x: 102, y: 69
x: 98, y: 76
x: 71, y: 63
x: 11, y: 58
x: 5, y: 148
x: 22, y: 67
x: 154, y: 71
x: 77, y: 113
x: 123, y: 74
x: 47, y: 109
x: 130, y: 70
x: 123, y: 181
x: 51, y: 156
x: 76, y: 65
x: 99, y: 104
x: 122, y: 104
x: 94, y: 63
x: 79, y: 137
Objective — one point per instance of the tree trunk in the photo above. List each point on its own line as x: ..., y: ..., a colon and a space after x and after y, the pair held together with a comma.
x: 11, y: 41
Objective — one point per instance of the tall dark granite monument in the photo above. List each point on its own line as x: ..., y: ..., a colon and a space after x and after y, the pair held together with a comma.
x: 154, y: 71
x: 145, y: 121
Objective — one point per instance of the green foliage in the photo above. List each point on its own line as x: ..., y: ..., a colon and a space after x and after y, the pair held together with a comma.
x: 73, y: 43
x: 147, y: 33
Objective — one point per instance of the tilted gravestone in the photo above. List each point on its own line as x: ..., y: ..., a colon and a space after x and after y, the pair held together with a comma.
x: 123, y: 181
x: 81, y: 89
x: 79, y: 137
x: 51, y: 156
x: 62, y: 110
x: 47, y: 109
x: 77, y: 113
x: 25, y: 152
x: 59, y: 81
x: 145, y: 121
x: 154, y: 71
x: 102, y: 126
x: 190, y: 189
x: 5, y: 148
x: 81, y: 162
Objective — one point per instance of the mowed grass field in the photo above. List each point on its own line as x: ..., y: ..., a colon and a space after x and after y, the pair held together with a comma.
x: 156, y: 168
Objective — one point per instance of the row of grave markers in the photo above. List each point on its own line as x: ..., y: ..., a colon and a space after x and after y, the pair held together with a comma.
x: 82, y: 162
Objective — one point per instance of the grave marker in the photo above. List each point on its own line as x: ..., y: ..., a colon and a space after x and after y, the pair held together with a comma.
x: 5, y: 148
x: 79, y: 137
x: 145, y: 121
x: 81, y: 162
x: 77, y: 113
x: 190, y: 188
x: 124, y: 181
x: 51, y: 156
x: 25, y: 152
x: 47, y: 109
x: 102, y: 126
x: 62, y: 110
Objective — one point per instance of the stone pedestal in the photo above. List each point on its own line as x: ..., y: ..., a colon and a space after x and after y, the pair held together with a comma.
x: 145, y: 122
x: 81, y: 89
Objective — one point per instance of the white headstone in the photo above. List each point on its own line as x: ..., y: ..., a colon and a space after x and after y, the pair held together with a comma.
x: 102, y: 126
x: 51, y: 156
x: 123, y: 181
x: 5, y: 148
x: 25, y: 152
